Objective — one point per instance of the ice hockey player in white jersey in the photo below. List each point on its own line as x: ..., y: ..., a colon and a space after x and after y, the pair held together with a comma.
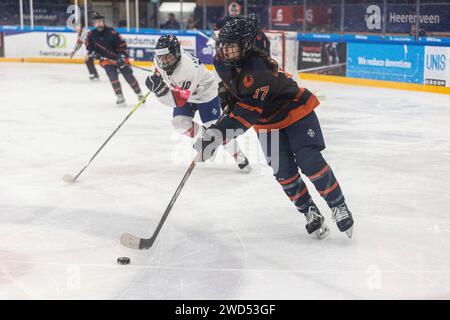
x: 81, y: 38
x: 181, y: 81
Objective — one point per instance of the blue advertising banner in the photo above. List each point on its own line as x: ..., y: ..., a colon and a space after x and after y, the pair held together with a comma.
x: 205, y: 53
x: 389, y: 62
x: 326, y: 37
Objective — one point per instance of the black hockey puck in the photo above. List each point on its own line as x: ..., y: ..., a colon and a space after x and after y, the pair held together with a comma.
x: 123, y: 260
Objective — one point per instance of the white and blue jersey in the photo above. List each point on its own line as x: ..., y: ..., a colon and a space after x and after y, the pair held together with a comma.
x: 191, y: 75
x: 192, y: 87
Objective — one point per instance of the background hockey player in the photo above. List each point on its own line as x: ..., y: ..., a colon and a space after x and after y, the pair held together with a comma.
x: 81, y: 38
x: 107, y: 45
x: 234, y: 11
x: 281, y: 113
x: 182, y: 82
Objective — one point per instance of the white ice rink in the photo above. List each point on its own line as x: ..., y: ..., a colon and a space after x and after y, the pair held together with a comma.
x: 230, y: 235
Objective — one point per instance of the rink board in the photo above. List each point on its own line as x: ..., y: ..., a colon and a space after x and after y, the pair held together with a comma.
x: 375, y: 83
x: 391, y: 61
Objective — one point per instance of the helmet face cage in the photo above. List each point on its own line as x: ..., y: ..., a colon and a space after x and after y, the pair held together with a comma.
x: 98, y: 16
x: 236, y: 39
x: 230, y: 52
x: 102, y: 26
x: 168, y: 52
x: 167, y: 61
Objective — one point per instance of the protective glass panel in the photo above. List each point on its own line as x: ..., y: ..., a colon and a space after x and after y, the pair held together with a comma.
x: 363, y: 16
x: 47, y: 13
x: 401, y: 17
x: 434, y: 19
x: 323, y: 16
x: 9, y: 12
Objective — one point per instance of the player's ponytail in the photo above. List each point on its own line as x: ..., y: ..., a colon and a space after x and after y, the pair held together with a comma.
x: 271, y: 63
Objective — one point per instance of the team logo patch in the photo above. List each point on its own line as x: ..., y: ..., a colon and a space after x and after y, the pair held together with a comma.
x: 248, y: 80
x: 311, y: 133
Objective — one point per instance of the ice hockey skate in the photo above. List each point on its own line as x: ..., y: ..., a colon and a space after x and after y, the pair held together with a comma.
x: 316, y: 223
x: 242, y: 162
x: 140, y: 96
x: 120, y: 102
x: 343, y: 218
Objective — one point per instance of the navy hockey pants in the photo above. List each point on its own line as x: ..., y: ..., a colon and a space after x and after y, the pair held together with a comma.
x: 209, y: 111
x: 295, y: 147
x: 113, y: 75
x: 91, y: 67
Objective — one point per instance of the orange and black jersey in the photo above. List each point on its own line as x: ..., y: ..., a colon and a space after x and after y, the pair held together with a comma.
x: 263, y: 99
x: 108, y: 43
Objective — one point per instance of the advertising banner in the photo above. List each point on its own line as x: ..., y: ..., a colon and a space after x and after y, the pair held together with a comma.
x: 204, y: 50
x: 2, y: 45
x: 48, y: 13
x: 293, y: 15
x: 437, y: 66
x: 61, y: 44
x: 389, y: 62
x: 142, y: 46
x: 322, y: 57
x: 40, y: 44
x: 432, y: 18
x: 399, y: 17
x: 283, y: 16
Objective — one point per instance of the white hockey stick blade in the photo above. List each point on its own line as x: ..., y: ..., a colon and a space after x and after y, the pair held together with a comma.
x: 321, y: 96
x: 247, y: 169
x: 130, y: 241
x: 68, y: 178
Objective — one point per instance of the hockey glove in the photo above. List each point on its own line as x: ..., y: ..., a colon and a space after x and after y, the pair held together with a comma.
x: 208, y: 143
x: 121, y: 61
x: 226, y: 100
x: 157, y: 85
x: 181, y: 96
x: 95, y: 55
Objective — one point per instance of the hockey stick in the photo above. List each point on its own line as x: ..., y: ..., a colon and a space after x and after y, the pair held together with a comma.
x: 131, y: 65
x: 68, y: 178
x: 133, y: 242
x: 145, y: 69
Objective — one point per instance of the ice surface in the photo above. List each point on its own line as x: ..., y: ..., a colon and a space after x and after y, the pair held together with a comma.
x: 230, y: 235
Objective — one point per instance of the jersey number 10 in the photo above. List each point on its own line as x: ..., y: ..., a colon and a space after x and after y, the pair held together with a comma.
x: 185, y: 85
